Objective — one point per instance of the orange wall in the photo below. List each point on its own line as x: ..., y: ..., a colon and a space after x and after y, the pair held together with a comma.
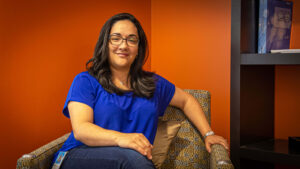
x: 43, y: 45
x: 191, y: 48
x: 287, y: 99
x: 287, y: 90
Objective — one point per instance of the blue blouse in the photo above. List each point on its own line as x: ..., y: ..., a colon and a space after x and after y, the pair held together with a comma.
x: 124, y: 113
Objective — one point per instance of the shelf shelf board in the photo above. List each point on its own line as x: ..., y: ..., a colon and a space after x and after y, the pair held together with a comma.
x: 273, y: 151
x: 270, y: 59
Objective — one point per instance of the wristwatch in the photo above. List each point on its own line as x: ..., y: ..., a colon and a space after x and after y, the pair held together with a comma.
x: 210, y: 133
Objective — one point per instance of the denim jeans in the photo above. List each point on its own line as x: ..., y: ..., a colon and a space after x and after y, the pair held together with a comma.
x: 84, y: 157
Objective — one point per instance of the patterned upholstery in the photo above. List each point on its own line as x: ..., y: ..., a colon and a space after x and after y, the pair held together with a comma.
x: 186, y: 151
x: 41, y: 158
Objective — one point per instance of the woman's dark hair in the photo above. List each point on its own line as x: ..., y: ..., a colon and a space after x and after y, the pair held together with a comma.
x: 142, y: 82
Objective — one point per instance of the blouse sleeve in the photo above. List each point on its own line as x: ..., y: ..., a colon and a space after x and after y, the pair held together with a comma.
x: 82, y: 91
x: 165, y: 92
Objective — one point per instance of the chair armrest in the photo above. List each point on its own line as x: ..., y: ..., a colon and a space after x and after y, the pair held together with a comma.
x: 41, y: 158
x: 219, y: 158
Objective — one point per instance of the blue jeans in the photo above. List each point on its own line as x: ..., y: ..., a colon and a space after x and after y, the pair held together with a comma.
x: 85, y: 157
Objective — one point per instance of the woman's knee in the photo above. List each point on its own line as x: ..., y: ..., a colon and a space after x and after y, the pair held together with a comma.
x: 132, y: 159
x: 109, y: 157
x: 137, y: 160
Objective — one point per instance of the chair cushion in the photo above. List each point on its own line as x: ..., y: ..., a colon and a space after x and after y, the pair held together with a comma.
x: 166, y: 131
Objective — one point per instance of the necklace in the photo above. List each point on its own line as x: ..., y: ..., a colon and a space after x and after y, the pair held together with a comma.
x: 122, y: 83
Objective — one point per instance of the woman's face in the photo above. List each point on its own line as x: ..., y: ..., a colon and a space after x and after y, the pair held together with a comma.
x: 121, y: 56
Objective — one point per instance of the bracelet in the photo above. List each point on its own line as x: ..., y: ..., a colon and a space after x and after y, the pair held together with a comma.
x: 210, y: 133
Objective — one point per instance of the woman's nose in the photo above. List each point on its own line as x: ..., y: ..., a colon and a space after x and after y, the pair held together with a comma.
x: 123, y: 44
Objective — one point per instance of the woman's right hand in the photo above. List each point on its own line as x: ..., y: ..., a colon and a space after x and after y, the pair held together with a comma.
x: 136, y: 141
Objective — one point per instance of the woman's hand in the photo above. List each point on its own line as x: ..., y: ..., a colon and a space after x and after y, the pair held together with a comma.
x: 215, y: 139
x: 136, y: 141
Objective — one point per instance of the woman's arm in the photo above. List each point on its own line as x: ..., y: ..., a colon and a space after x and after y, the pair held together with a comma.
x: 87, y: 132
x: 192, y: 109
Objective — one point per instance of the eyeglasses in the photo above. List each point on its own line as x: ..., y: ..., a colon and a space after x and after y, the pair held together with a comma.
x: 117, y: 40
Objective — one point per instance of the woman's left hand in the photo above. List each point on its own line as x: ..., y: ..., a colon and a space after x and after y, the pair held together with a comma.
x: 215, y: 139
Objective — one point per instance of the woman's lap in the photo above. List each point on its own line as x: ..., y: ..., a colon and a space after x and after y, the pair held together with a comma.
x: 105, y: 158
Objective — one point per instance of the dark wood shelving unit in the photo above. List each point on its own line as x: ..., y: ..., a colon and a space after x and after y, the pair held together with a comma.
x: 271, y: 151
x: 270, y: 59
x: 252, y: 96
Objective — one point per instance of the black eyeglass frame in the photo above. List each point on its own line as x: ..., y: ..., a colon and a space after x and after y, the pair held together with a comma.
x: 126, y: 39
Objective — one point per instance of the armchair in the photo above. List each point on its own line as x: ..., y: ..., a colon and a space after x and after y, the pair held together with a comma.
x: 187, y: 149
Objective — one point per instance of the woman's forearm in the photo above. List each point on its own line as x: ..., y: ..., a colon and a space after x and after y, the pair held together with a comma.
x: 93, y: 135
x: 194, y: 112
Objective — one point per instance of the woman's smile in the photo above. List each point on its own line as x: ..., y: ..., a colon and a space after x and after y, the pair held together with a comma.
x: 123, y: 55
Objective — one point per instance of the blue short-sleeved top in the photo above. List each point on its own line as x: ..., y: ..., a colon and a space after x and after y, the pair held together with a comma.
x: 124, y: 113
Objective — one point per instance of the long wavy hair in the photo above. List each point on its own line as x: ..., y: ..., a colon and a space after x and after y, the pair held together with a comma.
x: 142, y: 82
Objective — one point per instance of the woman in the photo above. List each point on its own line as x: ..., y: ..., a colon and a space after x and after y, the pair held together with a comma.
x: 114, y: 107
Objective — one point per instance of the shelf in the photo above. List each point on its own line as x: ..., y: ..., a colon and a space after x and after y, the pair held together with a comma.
x: 273, y: 151
x: 271, y: 59
x: 252, y: 94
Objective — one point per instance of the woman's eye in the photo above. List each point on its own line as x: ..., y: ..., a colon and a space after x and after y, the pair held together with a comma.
x: 132, y: 40
x: 115, y: 39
